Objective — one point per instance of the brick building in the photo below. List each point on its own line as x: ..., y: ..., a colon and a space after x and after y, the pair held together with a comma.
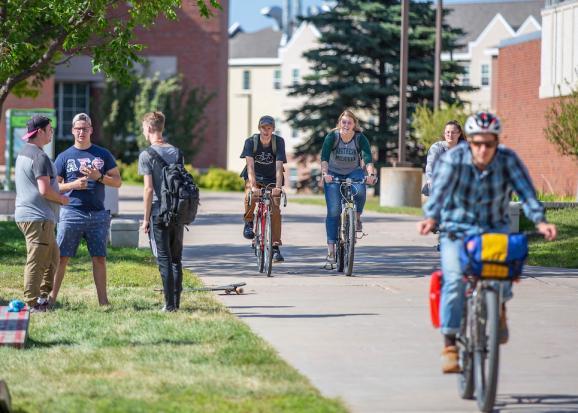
x: 193, y: 46
x: 517, y: 81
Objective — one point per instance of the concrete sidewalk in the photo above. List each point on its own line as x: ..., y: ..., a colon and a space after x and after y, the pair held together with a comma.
x: 367, y: 339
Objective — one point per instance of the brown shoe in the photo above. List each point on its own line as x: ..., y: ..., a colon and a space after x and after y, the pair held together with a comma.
x: 503, y: 332
x: 450, y: 362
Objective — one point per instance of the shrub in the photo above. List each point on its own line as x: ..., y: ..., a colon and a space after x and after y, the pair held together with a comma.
x: 429, y: 125
x: 129, y: 172
x: 222, y: 179
x: 562, y: 129
x: 215, y: 178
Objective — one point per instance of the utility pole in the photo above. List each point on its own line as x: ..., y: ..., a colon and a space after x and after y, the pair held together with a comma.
x: 438, y: 52
x: 403, y: 81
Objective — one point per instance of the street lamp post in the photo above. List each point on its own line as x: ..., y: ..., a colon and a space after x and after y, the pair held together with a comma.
x: 403, y: 81
x: 438, y: 51
x: 400, y: 185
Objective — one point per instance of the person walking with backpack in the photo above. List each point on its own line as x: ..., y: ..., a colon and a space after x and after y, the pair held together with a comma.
x: 265, y: 155
x: 165, y: 233
x: 345, y: 153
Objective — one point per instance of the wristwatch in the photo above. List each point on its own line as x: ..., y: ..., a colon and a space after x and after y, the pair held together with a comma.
x: 101, y: 178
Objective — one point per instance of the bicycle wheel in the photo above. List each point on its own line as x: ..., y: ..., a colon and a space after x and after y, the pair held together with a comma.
x: 268, y: 245
x: 464, y: 342
x: 487, y: 350
x: 339, y: 249
x: 259, y: 241
x: 349, y: 247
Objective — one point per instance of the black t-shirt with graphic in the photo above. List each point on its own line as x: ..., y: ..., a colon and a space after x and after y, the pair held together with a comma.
x: 264, y: 159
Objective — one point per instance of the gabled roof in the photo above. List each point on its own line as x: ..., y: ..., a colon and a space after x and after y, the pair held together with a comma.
x: 473, y: 18
x: 260, y: 44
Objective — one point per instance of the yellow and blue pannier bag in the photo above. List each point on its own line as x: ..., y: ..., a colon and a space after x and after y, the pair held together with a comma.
x: 499, y: 256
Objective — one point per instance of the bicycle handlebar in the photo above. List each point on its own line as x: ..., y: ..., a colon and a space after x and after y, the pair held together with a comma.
x: 267, y: 189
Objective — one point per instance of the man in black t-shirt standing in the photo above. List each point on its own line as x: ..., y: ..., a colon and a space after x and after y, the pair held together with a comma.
x: 264, y: 167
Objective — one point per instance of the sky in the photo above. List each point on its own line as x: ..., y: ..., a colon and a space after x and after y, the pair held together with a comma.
x: 247, y: 12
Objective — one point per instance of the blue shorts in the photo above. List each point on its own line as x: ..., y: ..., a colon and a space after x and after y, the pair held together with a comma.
x: 75, y: 224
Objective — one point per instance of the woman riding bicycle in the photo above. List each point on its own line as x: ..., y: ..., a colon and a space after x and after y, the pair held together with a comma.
x: 453, y: 134
x: 345, y: 153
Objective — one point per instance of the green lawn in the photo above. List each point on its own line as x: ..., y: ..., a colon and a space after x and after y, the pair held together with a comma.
x: 130, y: 357
x: 559, y: 253
x: 372, y: 204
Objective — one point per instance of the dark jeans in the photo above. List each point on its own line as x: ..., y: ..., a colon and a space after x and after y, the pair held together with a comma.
x: 167, y: 246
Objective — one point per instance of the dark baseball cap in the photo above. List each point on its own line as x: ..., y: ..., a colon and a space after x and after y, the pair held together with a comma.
x: 35, y: 123
x: 267, y: 120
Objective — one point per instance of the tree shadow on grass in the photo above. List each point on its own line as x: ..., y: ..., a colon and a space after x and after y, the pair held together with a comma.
x: 32, y: 343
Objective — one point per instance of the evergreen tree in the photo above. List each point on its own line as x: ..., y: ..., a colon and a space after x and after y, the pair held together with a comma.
x: 357, y: 67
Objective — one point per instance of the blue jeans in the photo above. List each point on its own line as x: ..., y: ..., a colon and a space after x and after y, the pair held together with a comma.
x: 333, y: 201
x: 453, y: 288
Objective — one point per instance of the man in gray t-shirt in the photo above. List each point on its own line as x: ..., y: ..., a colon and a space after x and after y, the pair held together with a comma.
x: 37, y: 205
x: 166, y: 239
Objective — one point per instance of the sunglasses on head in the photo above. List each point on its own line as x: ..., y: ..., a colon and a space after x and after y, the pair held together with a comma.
x: 489, y: 145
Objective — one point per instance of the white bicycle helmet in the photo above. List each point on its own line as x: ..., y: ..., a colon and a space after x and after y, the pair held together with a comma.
x: 483, y: 122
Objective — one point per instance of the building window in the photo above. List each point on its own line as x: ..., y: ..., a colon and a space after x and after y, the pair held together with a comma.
x: 246, y: 80
x: 466, y: 76
x: 277, y: 79
x: 295, y: 77
x: 485, y: 74
x: 277, y: 127
x: 69, y: 99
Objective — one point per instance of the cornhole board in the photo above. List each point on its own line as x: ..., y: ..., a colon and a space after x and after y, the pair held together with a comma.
x: 5, y: 401
x: 13, y: 327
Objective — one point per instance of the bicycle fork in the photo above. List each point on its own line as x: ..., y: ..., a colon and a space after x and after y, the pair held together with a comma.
x: 344, y: 209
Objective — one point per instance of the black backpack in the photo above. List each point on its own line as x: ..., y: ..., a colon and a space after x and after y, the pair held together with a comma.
x: 179, y: 194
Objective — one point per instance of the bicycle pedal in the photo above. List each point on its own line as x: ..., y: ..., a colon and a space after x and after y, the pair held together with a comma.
x: 363, y: 234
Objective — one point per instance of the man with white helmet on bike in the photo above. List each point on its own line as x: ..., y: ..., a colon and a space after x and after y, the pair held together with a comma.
x: 472, y: 187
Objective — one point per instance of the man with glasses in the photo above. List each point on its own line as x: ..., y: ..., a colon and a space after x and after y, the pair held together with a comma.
x: 472, y: 188
x: 83, y: 171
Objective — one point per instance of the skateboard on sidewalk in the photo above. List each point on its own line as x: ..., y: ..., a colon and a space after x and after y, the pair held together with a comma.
x: 228, y: 288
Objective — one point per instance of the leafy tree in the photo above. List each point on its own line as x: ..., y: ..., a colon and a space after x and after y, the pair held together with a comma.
x: 123, y: 108
x: 37, y: 35
x: 562, y: 129
x: 357, y: 67
x: 428, y: 125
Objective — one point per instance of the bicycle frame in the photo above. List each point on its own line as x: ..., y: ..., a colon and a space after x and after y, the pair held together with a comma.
x: 345, y: 248
x: 262, y: 243
x: 479, y: 341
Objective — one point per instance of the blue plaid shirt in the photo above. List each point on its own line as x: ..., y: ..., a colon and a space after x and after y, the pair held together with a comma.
x: 466, y: 200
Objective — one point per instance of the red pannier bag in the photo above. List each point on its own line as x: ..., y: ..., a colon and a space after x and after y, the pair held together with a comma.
x: 435, y: 292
